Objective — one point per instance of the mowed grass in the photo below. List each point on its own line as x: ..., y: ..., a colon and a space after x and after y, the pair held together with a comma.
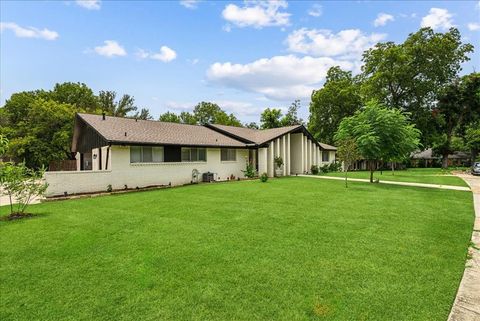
x: 288, y: 249
x: 415, y: 175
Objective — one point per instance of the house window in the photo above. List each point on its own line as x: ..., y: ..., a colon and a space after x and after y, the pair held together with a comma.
x: 325, y: 156
x: 146, y: 154
x: 192, y: 154
x: 228, y: 154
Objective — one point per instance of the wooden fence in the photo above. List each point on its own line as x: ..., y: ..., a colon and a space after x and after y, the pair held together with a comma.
x: 63, y: 165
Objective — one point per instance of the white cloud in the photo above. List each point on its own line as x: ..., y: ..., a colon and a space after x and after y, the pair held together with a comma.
x: 193, y: 61
x: 315, y: 10
x: 110, y: 49
x: 382, y: 19
x: 190, y: 4
x: 473, y: 26
x: 165, y: 54
x: 257, y: 14
x: 348, y: 43
x: 89, y: 4
x: 438, y: 18
x: 29, y: 32
x: 282, y: 78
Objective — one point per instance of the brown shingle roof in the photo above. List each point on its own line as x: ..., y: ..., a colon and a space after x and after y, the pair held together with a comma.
x: 261, y: 136
x: 256, y: 136
x: 327, y: 147
x: 113, y: 129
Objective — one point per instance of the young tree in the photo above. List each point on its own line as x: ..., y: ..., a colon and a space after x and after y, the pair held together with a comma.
x: 338, y: 98
x: 3, y: 145
x: 348, y: 153
x: 21, y: 185
x: 380, y: 133
x: 270, y: 118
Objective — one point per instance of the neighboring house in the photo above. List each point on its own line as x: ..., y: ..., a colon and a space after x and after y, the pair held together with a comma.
x: 428, y: 158
x: 130, y: 153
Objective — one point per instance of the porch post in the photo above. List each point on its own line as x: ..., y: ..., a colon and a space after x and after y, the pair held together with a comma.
x: 289, y: 167
x: 270, y: 167
x: 302, y: 142
x: 284, y: 155
x: 262, y: 160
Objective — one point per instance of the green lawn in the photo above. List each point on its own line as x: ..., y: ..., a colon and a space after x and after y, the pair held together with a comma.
x: 288, y: 249
x: 416, y: 175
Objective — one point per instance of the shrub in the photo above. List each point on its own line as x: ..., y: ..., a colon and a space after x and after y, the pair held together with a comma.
x: 249, y: 171
x: 278, y: 161
x: 325, y: 168
x: 264, y: 177
x: 109, y: 188
x: 334, y: 167
x: 22, y: 185
x: 314, y: 169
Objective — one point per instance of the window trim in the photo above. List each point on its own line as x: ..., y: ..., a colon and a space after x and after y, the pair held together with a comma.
x: 327, y: 153
x: 190, y: 155
x: 141, y: 154
x: 228, y: 151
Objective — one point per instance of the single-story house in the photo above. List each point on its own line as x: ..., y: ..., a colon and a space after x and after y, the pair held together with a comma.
x: 128, y: 153
x: 428, y: 158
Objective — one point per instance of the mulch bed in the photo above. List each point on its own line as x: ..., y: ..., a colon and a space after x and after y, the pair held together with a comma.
x: 16, y: 216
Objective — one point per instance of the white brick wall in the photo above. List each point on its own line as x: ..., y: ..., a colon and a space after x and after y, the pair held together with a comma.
x: 120, y: 172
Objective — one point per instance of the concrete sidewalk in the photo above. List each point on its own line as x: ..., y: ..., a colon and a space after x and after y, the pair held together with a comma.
x: 467, y: 303
x: 457, y: 188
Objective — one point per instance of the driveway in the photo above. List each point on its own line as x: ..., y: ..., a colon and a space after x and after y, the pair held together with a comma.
x: 4, y: 200
x: 467, y: 302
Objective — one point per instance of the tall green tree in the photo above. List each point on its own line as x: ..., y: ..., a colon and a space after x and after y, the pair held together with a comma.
x: 143, y: 114
x: 44, y: 133
x: 459, y: 104
x: 337, y: 99
x: 381, y: 134
x: 75, y: 94
x: 187, y: 118
x: 169, y: 117
x: 472, y: 139
x: 411, y: 75
x: 270, y: 118
x: 111, y: 106
x: 291, y: 117
x: 211, y: 113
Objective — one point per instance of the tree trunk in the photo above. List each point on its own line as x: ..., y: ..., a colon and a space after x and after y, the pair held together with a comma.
x: 393, y: 168
x: 346, y: 184
x: 445, y: 161
x: 371, y: 171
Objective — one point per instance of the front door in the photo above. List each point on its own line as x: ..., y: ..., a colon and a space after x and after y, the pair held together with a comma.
x: 253, y: 157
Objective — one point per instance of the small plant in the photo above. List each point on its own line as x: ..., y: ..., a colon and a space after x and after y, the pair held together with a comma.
x: 314, y: 169
x: 264, y: 177
x: 278, y: 161
x: 249, y: 171
x: 325, y: 168
x: 334, y: 167
x: 109, y: 188
x: 22, y: 185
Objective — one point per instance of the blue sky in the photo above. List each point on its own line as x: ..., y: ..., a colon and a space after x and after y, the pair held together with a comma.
x: 245, y: 56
